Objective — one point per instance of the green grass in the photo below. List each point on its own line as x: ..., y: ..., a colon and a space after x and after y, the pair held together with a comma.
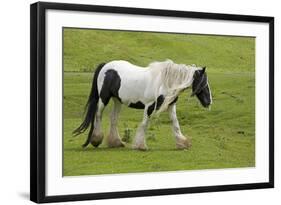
x: 85, y: 49
x: 221, y: 138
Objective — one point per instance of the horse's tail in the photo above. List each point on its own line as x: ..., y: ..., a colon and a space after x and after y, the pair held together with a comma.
x: 90, y: 108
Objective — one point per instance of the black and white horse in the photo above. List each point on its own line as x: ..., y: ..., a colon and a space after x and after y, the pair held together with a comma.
x: 154, y: 88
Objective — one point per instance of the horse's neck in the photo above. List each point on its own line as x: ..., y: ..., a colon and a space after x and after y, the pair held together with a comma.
x: 165, y: 81
x: 177, y: 77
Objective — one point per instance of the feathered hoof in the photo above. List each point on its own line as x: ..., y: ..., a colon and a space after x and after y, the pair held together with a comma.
x: 96, y: 140
x: 115, y: 143
x: 140, y: 147
x: 183, y: 143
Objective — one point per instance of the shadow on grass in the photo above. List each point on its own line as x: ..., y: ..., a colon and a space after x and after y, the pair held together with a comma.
x: 122, y: 149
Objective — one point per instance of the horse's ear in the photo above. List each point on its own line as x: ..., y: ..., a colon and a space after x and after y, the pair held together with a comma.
x: 203, y: 70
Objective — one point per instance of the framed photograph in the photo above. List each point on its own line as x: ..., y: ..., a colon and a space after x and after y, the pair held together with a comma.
x: 129, y: 102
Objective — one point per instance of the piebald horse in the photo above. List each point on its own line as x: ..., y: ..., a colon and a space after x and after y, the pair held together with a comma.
x: 154, y: 89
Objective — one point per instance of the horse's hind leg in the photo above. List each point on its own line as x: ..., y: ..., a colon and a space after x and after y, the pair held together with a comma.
x: 97, y: 136
x: 113, y: 139
x: 181, y: 141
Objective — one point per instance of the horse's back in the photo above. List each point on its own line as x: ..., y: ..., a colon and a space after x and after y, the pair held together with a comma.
x: 125, y: 70
x: 122, y: 65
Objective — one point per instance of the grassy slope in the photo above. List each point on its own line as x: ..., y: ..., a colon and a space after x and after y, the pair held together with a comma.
x: 85, y: 49
x: 222, y: 138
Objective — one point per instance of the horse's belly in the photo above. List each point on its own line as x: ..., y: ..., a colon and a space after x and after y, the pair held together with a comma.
x: 133, y: 91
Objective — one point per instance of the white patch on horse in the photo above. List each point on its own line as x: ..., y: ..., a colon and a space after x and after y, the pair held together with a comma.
x: 145, y: 84
x: 211, y: 98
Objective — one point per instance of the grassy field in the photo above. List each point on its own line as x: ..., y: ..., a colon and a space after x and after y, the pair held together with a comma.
x: 221, y: 138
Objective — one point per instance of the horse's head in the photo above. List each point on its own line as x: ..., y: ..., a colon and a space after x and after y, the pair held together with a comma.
x: 200, y: 87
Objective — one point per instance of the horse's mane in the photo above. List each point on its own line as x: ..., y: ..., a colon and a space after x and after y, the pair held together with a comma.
x: 174, y: 77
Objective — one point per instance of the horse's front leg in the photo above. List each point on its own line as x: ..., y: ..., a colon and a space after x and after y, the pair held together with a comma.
x: 181, y: 141
x: 140, y: 135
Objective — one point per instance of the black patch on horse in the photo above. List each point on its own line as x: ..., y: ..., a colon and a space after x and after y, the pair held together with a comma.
x: 137, y: 105
x: 174, y: 101
x: 159, y: 102
x: 110, y: 87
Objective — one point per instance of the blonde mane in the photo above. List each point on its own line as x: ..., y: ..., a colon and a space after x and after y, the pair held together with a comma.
x: 174, y: 77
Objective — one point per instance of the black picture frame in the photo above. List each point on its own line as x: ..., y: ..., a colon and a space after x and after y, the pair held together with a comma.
x: 38, y: 101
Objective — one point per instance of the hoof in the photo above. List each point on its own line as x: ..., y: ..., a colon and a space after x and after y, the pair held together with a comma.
x: 141, y: 147
x: 114, y: 143
x: 96, y: 140
x: 183, y: 143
